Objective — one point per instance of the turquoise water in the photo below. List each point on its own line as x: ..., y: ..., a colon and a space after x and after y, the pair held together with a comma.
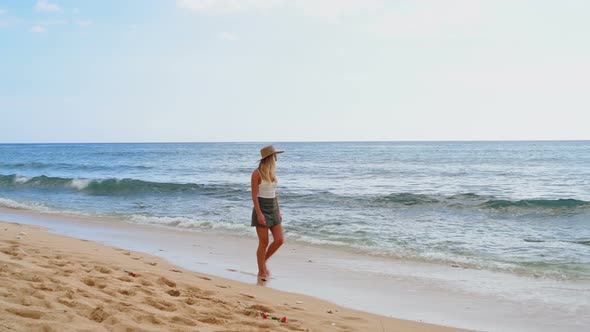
x: 519, y: 207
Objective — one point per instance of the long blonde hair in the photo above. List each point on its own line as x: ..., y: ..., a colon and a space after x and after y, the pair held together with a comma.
x: 267, y: 168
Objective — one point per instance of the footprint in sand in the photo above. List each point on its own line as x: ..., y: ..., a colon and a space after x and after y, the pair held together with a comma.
x: 60, y: 263
x: 126, y: 279
x: 67, y: 303
x: 261, y: 307
x: 89, y: 282
x: 127, y: 292
x: 183, y: 321
x: 167, y: 282
x: 211, y: 320
x: 43, y: 287
x: 248, y: 296
x: 102, y: 269
x: 98, y: 314
x: 150, y: 318
x: 160, y: 304
x: 146, y: 283
x: 15, y: 251
x: 26, y: 313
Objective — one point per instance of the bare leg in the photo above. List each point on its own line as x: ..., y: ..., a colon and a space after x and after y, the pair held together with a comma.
x: 277, y: 236
x: 261, y: 251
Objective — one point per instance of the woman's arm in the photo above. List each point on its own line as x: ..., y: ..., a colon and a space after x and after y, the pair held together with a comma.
x: 255, y: 182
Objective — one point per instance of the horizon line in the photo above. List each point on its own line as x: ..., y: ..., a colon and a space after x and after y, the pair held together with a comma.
x: 303, y: 141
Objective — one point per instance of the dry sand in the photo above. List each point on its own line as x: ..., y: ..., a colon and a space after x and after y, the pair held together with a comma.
x: 55, y: 283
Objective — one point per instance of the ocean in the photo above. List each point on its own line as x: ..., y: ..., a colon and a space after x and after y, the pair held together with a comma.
x: 516, y: 207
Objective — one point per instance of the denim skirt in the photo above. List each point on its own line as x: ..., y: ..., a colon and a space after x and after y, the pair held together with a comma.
x: 269, y: 209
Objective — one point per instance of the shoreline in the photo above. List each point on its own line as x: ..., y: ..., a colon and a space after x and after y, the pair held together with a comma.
x: 58, y: 283
x: 418, y: 292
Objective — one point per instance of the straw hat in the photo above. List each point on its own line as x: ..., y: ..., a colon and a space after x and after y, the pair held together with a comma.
x: 268, y: 151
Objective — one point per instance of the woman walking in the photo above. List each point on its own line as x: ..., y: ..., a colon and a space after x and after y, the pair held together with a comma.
x: 266, y: 214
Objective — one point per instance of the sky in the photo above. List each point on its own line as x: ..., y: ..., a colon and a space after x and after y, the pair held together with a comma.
x: 293, y: 70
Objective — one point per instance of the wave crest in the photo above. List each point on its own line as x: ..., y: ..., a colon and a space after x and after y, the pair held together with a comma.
x: 536, y: 203
x: 97, y: 186
x: 475, y: 201
x: 408, y: 199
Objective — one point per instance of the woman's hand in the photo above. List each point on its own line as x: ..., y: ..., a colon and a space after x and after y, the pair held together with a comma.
x: 261, y: 219
x: 280, y: 216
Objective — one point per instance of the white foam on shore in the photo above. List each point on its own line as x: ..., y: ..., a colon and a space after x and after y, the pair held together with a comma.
x: 8, y: 203
x: 327, y: 242
x: 34, y: 207
x: 193, y: 224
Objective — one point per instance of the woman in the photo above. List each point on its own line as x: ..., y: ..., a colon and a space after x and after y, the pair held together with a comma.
x: 266, y: 214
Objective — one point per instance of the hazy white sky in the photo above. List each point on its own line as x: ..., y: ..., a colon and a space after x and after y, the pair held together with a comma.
x: 293, y: 70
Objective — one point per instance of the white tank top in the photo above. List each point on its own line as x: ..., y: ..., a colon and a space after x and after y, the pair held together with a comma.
x: 267, y: 189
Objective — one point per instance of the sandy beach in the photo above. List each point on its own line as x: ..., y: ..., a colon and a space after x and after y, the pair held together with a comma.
x: 57, y: 283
